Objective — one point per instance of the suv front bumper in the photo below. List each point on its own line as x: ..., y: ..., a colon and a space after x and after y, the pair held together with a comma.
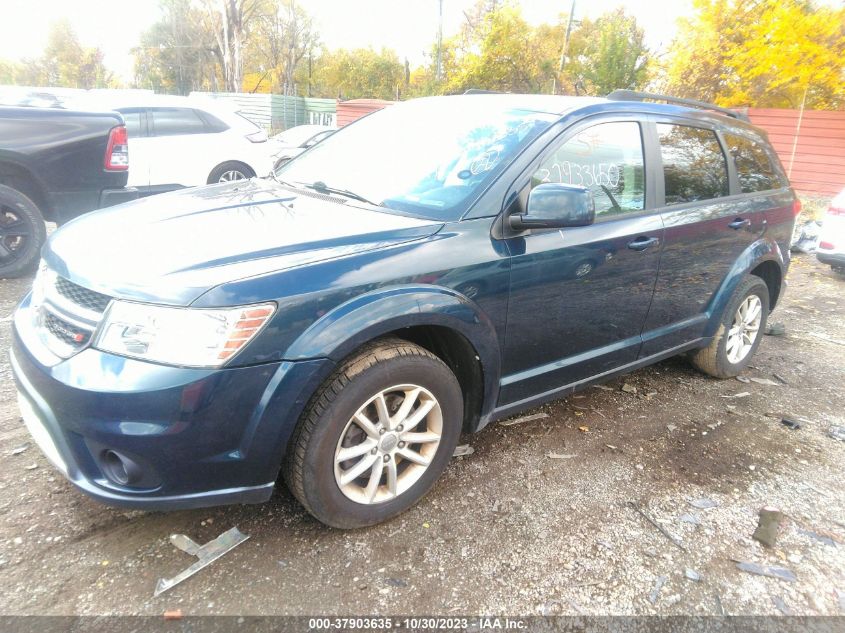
x: 199, y: 437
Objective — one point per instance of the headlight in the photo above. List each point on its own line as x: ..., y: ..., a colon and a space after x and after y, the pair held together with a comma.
x: 192, y: 337
x: 44, y: 279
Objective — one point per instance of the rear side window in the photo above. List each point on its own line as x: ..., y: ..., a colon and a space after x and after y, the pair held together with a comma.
x: 754, y: 168
x: 607, y: 159
x: 173, y: 121
x: 132, y: 119
x: 694, y: 167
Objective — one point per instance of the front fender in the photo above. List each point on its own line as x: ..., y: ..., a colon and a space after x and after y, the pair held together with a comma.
x: 364, y: 318
x: 764, y: 249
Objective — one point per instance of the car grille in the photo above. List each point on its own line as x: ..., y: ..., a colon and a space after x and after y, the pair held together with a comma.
x: 68, y: 314
x: 88, y: 299
x: 69, y: 334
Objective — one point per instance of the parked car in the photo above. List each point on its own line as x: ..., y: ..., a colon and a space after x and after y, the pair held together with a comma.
x: 419, y: 273
x: 292, y: 142
x: 831, y: 248
x: 179, y: 142
x: 54, y: 165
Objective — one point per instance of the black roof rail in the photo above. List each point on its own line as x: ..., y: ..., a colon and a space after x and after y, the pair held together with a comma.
x: 633, y: 95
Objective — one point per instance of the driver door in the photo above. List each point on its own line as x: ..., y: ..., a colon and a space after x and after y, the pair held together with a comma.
x: 579, y: 296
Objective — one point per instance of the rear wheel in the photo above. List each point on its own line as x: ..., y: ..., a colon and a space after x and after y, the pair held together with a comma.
x: 230, y: 171
x: 22, y: 233
x: 376, y: 436
x: 739, y: 333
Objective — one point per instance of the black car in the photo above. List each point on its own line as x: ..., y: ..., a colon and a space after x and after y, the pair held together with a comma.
x: 55, y: 164
x: 431, y: 268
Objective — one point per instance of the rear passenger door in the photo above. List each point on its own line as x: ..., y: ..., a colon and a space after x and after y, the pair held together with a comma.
x: 706, y: 229
x: 184, y: 145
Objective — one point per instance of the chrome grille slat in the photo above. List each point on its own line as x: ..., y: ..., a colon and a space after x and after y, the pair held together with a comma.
x: 88, y: 299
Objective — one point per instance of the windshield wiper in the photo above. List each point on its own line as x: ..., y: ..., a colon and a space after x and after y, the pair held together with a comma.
x: 322, y: 187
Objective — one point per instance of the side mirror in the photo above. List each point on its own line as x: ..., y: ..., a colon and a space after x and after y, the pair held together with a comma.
x: 555, y: 206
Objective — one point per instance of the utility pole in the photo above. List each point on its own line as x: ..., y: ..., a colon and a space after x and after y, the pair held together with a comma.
x: 565, y: 49
x: 438, y: 74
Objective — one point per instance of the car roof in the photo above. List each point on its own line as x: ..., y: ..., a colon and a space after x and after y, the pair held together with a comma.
x: 563, y: 105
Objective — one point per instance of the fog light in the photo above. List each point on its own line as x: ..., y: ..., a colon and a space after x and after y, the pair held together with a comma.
x: 120, y: 469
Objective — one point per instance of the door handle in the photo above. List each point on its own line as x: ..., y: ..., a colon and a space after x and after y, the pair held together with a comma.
x: 739, y: 223
x: 642, y: 243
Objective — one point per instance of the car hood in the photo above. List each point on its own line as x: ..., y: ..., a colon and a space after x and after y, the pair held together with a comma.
x: 172, y: 248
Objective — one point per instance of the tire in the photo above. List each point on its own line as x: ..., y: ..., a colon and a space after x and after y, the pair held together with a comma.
x: 22, y: 233
x: 327, y: 427
x: 720, y: 360
x: 230, y: 171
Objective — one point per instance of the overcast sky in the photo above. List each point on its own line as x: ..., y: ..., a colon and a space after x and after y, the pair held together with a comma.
x: 407, y: 26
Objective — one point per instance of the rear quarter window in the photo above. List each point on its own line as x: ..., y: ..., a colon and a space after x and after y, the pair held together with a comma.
x: 755, y: 169
x: 175, y: 121
x: 694, y: 167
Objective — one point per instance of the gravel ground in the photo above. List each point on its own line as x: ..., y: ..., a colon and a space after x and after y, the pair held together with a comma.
x: 537, y: 520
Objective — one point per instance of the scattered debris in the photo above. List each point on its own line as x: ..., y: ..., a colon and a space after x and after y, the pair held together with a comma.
x: 603, y: 387
x: 837, y: 432
x: 612, y: 447
x: 524, y: 418
x: 551, y: 455
x: 206, y: 554
x: 781, y: 605
x: 659, y: 527
x: 671, y: 427
x: 629, y: 388
x: 743, y: 379
x: 821, y: 538
x: 780, y: 378
x: 655, y: 592
x: 689, y: 518
x: 20, y: 449
x: 806, y: 239
x: 781, y: 573
x: 693, y: 575
x: 32, y: 466
x: 173, y: 614
x: 764, y: 381
x: 703, y: 504
x: 463, y: 450
x: 827, y: 338
x: 397, y: 582
x: 775, y: 329
x: 584, y: 429
x: 790, y: 423
x: 768, y: 525
x: 552, y: 607
x: 742, y: 394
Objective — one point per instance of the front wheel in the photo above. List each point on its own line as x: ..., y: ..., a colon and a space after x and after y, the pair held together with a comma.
x: 376, y: 436
x: 739, y: 333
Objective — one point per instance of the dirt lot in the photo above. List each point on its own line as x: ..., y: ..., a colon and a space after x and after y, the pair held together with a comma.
x: 536, y: 520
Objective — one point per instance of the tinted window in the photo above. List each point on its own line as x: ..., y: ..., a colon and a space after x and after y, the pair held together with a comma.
x: 606, y: 158
x: 754, y: 168
x: 694, y: 167
x: 172, y: 121
x: 133, y: 123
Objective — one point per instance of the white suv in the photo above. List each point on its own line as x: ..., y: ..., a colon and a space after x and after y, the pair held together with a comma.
x: 831, y: 248
x: 179, y: 142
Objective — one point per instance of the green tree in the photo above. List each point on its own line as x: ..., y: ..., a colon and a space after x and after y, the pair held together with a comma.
x: 358, y: 73
x: 177, y: 54
x: 765, y: 53
x: 66, y: 63
x: 607, y: 54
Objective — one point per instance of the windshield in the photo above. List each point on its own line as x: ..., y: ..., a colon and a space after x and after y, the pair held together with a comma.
x: 428, y: 157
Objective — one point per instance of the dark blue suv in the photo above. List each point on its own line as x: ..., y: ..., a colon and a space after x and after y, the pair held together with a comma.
x: 429, y: 269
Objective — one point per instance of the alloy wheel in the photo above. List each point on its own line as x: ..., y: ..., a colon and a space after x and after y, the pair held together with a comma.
x: 388, y: 444
x: 745, y: 329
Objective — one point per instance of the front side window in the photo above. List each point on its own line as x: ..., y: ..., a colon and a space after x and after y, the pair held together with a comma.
x: 608, y: 160
x: 426, y: 157
x: 754, y: 168
x: 694, y: 167
x: 175, y: 121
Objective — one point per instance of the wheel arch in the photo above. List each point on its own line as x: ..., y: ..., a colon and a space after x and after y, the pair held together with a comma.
x: 438, y: 319
x: 19, y: 177
x: 240, y: 163
x: 763, y: 259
